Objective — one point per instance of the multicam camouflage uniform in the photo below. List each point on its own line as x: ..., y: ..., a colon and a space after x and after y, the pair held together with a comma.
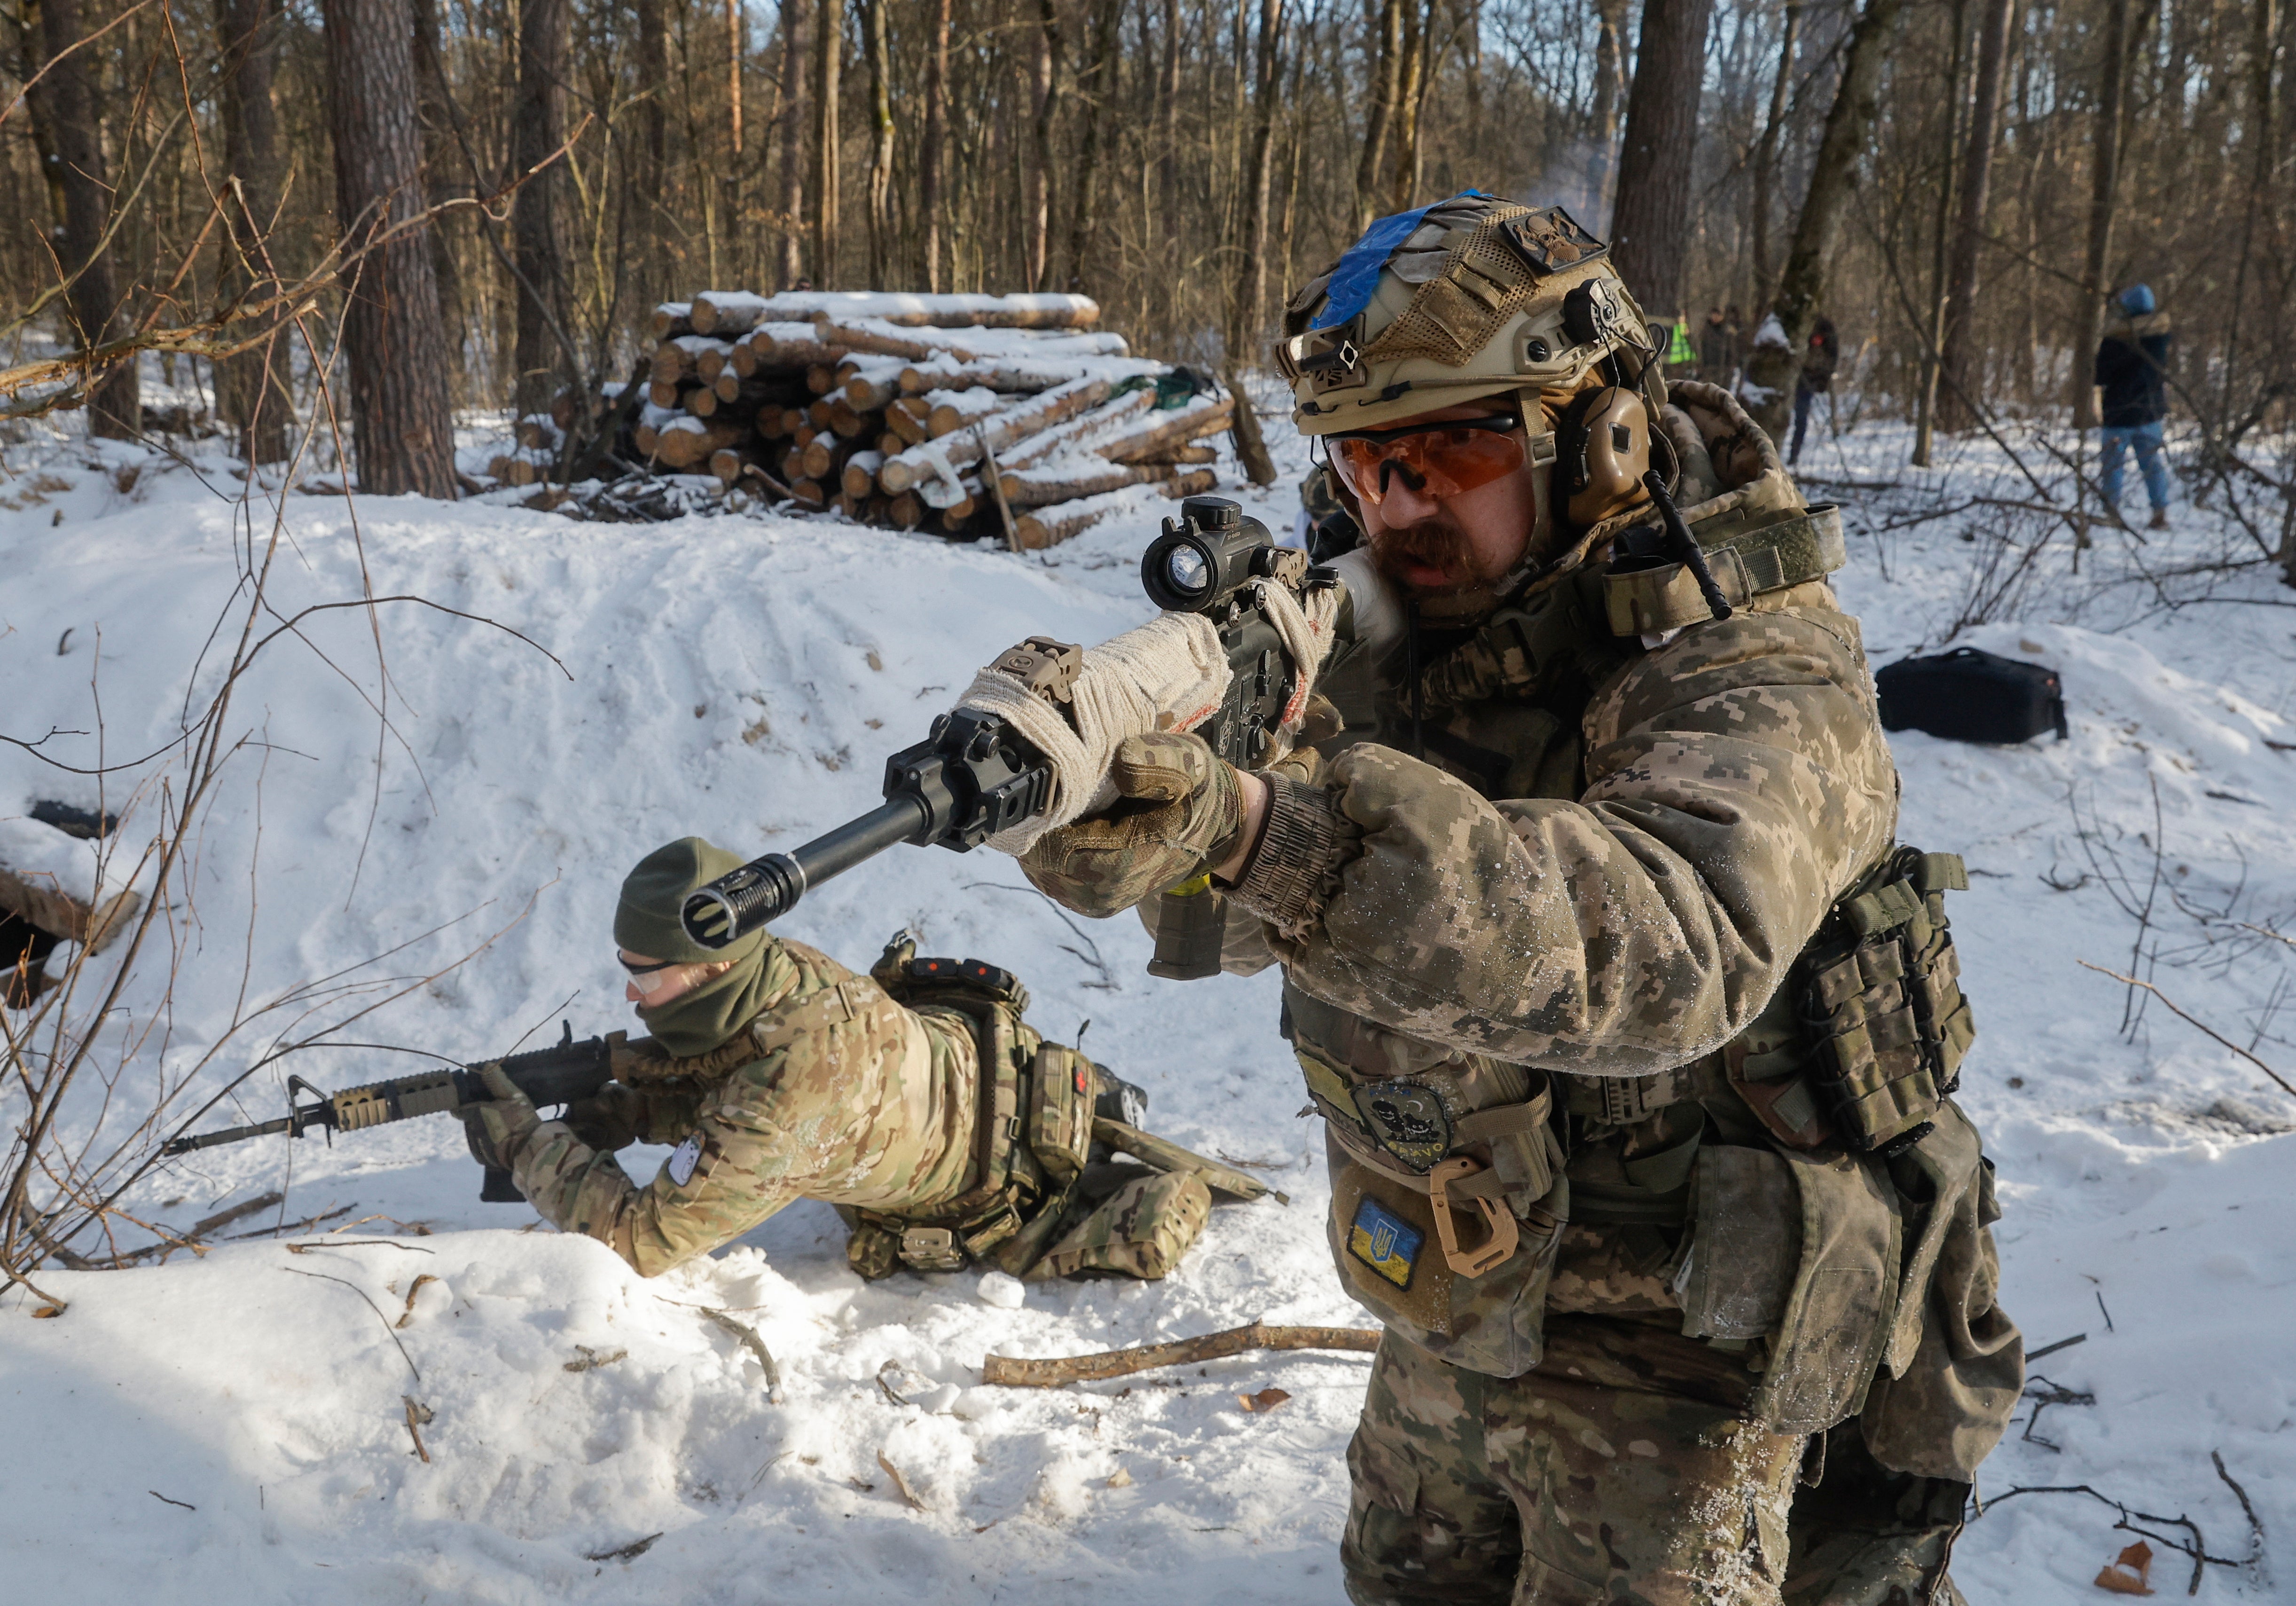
x: 1552, y: 962
x: 946, y: 1130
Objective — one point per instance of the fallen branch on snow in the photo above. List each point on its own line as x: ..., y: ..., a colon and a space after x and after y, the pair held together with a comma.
x: 1007, y: 1371
x: 756, y: 1346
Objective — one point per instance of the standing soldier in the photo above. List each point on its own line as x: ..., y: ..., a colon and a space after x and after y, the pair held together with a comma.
x: 1631, y: 1023
x: 915, y: 1098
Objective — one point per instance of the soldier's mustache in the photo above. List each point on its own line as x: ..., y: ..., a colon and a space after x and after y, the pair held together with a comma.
x: 1435, y: 543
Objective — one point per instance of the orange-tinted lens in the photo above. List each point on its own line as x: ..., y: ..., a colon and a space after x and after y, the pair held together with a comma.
x: 1439, y: 461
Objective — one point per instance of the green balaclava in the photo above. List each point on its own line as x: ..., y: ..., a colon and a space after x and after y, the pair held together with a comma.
x: 645, y: 922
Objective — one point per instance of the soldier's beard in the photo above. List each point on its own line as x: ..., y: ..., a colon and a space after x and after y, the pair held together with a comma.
x: 1405, y: 553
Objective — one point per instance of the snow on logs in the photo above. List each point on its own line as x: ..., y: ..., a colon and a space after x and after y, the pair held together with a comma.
x: 914, y: 412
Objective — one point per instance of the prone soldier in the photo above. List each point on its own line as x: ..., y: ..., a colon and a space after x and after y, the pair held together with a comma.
x: 1632, y: 1025
x: 917, y: 1100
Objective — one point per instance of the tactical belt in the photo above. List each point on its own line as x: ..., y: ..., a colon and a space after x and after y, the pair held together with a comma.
x: 948, y: 1246
x: 1481, y: 1183
x: 1786, y: 552
x: 1623, y: 1101
x: 1400, y: 1130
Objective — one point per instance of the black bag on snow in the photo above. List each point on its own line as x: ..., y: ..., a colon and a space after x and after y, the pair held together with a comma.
x: 1970, y: 696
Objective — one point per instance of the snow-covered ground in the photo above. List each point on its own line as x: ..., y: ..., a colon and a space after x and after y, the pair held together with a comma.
x: 201, y: 1431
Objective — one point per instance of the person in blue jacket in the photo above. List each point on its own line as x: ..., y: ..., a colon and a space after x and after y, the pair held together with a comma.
x: 2132, y: 366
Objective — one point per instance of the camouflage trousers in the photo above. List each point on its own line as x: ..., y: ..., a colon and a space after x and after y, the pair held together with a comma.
x: 1622, y: 1471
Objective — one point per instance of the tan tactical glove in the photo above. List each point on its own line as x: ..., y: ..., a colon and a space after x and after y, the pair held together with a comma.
x: 1178, y: 811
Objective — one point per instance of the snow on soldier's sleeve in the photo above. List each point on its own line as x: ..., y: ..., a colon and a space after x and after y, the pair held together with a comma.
x: 1738, y: 782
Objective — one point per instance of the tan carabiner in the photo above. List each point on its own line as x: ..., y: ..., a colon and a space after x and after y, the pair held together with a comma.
x: 1498, y: 1221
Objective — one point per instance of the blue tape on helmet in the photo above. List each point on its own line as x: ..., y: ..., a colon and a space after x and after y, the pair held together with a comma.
x: 1357, y: 274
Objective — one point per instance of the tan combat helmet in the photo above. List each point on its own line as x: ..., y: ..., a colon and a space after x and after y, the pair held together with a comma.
x: 1470, y: 297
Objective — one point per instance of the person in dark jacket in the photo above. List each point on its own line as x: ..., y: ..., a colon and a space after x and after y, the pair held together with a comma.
x: 1716, y: 358
x: 1819, y: 358
x: 2132, y: 366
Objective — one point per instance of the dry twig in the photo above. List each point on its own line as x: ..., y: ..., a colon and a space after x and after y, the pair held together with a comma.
x: 627, y: 1552
x: 372, y: 1305
x: 1010, y: 1373
x: 756, y: 1346
x: 417, y: 1414
x: 2200, y: 1025
x: 413, y: 1288
x: 2197, y: 1550
x: 900, y: 1482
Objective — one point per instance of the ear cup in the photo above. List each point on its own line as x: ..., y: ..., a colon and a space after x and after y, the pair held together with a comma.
x: 1571, y: 467
x: 1602, y: 451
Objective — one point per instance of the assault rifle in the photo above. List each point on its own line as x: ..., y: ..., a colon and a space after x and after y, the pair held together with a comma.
x: 559, y: 1075
x: 974, y: 775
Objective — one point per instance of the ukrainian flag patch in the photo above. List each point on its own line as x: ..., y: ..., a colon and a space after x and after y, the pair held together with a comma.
x: 1385, y: 1242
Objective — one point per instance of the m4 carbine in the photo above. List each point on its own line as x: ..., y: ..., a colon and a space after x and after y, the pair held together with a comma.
x: 559, y: 1075
x: 975, y: 776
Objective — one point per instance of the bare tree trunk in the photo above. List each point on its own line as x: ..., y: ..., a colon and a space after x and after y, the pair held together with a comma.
x: 1940, y: 264
x: 1382, y: 113
x: 251, y: 388
x: 737, y: 41
x: 538, y: 233
x: 880, y: 142
x: 2124, y: 27
x: 1093, y: 86
x: 405, y: 429
x: 2259, y: 131
x: 1248, y: 294
x: 1766, y: 159
x: 936, y: 138
x: 1610, y: 95
x: 1410, y: 94
x: 796, y: 25
x: 1287, y: 235
x: 65, y: 102
x: 1956, y: 402
x: 653, y: 114
x: 442, y: 164
x: 1472, y: 53
x: 1650, y: 231
x: 1168, y: 116
x: 1038, y: 202
x: 736, y: 48
x: 1771, y: 370
x: 828, y: 62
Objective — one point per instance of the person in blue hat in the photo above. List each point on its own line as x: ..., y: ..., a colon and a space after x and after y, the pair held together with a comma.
x: 2132, y: 368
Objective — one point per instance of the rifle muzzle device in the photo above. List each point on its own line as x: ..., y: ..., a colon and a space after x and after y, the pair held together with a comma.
x: 974, y: 775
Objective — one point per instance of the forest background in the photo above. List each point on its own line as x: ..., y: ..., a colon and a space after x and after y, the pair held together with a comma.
x: 1955, y: 182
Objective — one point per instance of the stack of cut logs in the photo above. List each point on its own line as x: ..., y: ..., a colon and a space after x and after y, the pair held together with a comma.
x: 539, y: 436
x: 969, y: 414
